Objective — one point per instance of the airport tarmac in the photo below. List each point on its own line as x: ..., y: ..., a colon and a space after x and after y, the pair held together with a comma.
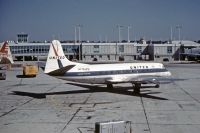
x: 46, y: 104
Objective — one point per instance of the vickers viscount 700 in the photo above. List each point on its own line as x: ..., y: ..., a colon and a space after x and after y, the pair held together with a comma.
x: 59, y: 66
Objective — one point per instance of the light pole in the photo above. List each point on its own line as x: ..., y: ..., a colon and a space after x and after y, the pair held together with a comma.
x: 129, y: 27
x: 79, y: 37
x: 80, y: 45
x: 79, y: 32
x: 179, y: 27
x: 119, y: 28
x: 171, y: 37
x: 75, y: 34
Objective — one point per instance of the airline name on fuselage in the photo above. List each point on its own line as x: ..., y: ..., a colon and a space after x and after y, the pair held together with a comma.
x: 56, y: 57
x: 139, y: 67
x: 84, y: 69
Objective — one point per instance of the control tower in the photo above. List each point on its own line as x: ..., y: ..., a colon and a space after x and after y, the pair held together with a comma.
x: 22, y: 38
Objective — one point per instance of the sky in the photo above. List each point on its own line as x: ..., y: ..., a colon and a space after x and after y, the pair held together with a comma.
x: 56, y: 19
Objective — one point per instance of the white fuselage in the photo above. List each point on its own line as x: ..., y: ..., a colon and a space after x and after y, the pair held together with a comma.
x: 116, y: 73
x: 59, y: 66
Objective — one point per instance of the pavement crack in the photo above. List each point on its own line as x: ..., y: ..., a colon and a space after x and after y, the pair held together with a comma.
x: 87, y: 128
x: 145, y: 115
x: 86, y: 100
x: 70, y: 119
x: 180, y: 106
x: 187, y: 93
x: 8, y: 112
x: 52, y: 88
x: 16, y: 108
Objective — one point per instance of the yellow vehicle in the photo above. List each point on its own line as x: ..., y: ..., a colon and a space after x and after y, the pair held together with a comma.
x: 30, y: 70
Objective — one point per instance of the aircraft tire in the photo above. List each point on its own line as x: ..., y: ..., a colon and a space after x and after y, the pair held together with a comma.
x: 110, y: 86
x: 137, y: 89
x: 157, y: 85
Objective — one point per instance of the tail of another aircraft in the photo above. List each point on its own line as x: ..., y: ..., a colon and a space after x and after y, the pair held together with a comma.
x: 5, y: 54
x: 4, y: 48
x: 57, y: 63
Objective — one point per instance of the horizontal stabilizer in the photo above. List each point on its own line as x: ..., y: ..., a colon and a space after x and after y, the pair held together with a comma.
x: 60, y: 71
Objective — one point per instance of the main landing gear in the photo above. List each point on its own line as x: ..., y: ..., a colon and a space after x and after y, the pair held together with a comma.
x: 136, y: 87
x: 110, y: 86
x: 157, y: 86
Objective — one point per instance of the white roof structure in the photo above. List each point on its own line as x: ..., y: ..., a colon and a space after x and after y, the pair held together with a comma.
x: 186, y: 42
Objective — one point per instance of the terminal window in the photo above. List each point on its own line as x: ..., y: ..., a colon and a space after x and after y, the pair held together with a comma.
x: 96, y: 46
x: 169, y: 49
x: 139, y: 49
x: 121, y: 48
x: 96, y: 49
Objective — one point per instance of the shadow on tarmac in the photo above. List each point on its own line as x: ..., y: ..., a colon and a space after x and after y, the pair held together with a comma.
x: 94, y: 89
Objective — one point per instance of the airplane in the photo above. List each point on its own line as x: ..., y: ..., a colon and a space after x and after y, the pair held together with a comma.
x: 59, y: 66
x: 5, y: 54
x: 192, y: 54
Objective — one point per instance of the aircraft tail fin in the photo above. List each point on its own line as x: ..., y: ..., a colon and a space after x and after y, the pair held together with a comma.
x: 6, y: 56
x: 4, y: 48
x: 56, y: 58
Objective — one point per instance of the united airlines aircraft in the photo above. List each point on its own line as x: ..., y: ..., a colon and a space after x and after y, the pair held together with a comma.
x: 59, y: 66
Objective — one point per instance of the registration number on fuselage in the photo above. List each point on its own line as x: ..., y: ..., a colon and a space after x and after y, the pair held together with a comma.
x: 83, y: 69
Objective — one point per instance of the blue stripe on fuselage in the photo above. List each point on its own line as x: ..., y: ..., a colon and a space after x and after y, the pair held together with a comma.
x: 114, y: 72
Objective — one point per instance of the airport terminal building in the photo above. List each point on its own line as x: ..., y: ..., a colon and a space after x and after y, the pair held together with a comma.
x: 105, y: 51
